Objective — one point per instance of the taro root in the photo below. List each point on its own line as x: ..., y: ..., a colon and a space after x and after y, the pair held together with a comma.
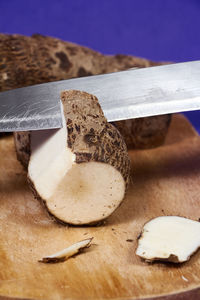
x: 31, y: 60
x: 80, y: 171
x: 169, y: 238
x: 144, y: 133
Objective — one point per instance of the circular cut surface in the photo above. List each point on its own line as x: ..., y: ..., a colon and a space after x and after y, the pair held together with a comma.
x: 76, y: 199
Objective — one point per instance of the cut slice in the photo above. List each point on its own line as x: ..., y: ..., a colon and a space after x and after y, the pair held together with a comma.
x: 80, y: 171
x: 169, y: 238
x: 67, y: 252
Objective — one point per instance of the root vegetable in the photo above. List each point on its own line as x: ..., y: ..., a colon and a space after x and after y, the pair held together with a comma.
x: 144, y: 133
x: 80, y: 171
x: 169, y: 238
x: 38, y: 59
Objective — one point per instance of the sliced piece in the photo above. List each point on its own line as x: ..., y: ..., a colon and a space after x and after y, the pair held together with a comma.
x: 80, y: 171
x: 67, y: 252
x: 169, y: 238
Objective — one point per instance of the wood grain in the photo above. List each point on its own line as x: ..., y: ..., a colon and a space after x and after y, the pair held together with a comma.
x: 165, y: 181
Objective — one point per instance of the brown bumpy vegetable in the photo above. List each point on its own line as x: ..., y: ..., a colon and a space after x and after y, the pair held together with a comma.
x: 31, y: 60
x: 80, y: 171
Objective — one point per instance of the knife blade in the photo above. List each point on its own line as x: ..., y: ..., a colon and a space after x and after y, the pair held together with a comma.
x: 122, y: 95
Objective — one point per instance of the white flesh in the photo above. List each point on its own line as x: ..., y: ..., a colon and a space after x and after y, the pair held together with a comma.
x: 89, y: 192
x: 67, y: 252
x: 50, y: 159
x: 169, y: 238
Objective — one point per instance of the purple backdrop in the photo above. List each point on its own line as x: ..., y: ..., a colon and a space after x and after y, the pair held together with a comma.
x: 166, y: 30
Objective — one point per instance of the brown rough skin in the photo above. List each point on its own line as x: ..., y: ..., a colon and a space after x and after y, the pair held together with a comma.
x: 22, y: 146
x: 90, y: 136
x: 32, y: 60
x: 144, y: 133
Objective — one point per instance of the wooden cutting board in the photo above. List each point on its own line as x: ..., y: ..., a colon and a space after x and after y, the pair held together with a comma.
x: 165, y: 181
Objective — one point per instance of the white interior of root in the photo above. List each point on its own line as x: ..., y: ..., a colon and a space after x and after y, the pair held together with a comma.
x: 88, y: 192
x: 71, y: 250
x: 169, y: 235
x: 50, y: 159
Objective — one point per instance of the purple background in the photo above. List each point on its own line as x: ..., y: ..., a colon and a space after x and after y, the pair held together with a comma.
x: 167, y: 30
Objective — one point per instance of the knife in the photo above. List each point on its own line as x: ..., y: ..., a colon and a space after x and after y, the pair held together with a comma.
x: 122, y: 95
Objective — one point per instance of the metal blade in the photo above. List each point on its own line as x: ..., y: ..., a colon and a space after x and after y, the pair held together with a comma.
x: 122, y: 95
x: 29, y: 108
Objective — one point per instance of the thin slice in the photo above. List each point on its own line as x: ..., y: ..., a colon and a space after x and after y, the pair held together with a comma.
x: 169, y: 238
x: 67, y: 252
